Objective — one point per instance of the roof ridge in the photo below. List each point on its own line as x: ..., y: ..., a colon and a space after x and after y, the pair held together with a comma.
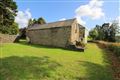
x: 64, y: 20
x: 67, y: 22
x: 59, y: 21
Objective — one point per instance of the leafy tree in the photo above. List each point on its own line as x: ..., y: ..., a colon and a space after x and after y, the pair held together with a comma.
x: 8, y: 9
x: 114, y: 30
x: 100, y: 32
x: 41, y: 21
x: 93, y: 34
x: 4, y: 29
x: 34, y: 21
x: 14, y: 29
x: 30, y: 22
x: 106, y: 32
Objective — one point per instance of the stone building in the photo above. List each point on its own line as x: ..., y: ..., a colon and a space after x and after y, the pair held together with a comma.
x: 57, y: 34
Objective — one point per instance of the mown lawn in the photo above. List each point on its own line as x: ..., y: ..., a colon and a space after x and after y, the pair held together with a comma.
x: 22, y: 61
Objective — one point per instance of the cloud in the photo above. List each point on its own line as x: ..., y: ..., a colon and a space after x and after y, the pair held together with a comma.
x: 93, y: 10
x: 62, y: 19
x: 79, y: 19
x: 23, y: 17
x: 118, y: 18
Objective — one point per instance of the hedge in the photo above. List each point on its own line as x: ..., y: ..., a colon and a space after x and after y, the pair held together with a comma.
x: 113, y: 47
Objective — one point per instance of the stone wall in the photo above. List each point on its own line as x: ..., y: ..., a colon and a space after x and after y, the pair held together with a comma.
x: 58, y: 37
x: 77, y: 33
x: 74, y: 33
x: 5, y: 38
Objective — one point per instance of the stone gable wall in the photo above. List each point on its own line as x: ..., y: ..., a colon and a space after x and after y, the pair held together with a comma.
x: 77, y: 33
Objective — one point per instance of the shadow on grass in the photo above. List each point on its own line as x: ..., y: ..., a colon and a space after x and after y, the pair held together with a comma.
x: 47, y: 47
x: 95, y: 71
x: 26, y: 68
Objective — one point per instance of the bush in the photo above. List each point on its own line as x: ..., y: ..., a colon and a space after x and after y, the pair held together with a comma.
x: 114, y: 47
x: 79, y: 43
x: 117, y: 50
x: 111, y: 47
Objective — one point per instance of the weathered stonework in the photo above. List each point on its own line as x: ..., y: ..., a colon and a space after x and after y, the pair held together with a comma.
x: 54, y: 35
x: 5, y: 38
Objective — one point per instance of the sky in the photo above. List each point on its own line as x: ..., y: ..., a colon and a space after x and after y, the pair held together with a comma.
x: 88, y: 12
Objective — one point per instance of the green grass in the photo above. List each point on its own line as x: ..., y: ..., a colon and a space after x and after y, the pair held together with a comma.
x: 22, y: 61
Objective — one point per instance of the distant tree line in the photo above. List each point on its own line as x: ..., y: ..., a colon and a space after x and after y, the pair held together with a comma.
x: 105, y: 32
x: 8, y: 9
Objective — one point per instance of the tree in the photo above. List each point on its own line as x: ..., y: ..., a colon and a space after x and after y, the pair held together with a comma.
x: 30, y: 22
x: 106, y: 32
x: 93, y: 34
x: 114, y: 30
x: 41, y: 21
x: 14, y: 29
x: 8, y: 9
x: 34, y: 21
x: 100, y: 32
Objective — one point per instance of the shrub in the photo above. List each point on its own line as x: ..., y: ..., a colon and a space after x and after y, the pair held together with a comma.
x: 111, y: 48
x: 117, y: 50
x: 114, y: 47
x: 80, y: 44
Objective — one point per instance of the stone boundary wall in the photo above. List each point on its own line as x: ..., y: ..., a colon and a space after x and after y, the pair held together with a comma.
x: 6, y: 38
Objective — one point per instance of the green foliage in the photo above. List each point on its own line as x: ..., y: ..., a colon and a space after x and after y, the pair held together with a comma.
x: 81, y: 44
x: 11, y: 29
x: 105, y: 32
x: 100, y: 33
x: 34, y: 21
x: 14, y: 29
x: 30, y: 22
x: 115, y: 49
x: 4, y: 29
x: 8, y: 9
x: 115, y: 30
x: 93, y: 34
x: 41, y: 21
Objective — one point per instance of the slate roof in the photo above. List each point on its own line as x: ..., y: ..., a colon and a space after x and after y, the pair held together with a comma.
x: 53, y: 24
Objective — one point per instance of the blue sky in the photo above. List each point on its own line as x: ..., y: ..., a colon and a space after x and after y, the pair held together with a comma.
x: 55, y: 10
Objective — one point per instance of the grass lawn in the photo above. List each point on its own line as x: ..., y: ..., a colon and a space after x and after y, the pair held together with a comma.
x: 22, y: 61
